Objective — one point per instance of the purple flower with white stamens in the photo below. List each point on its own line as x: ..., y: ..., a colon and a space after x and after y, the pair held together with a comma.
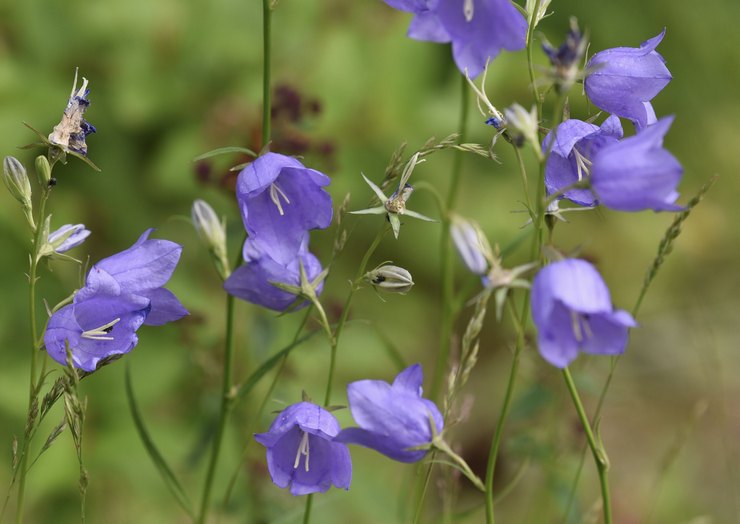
x: 394, y: 418
x: 477, y: 29
x: 121, y: 293
x: 573, y: 312
x: 302, y: 452
x: 571, y: 156
x: 623, y: 80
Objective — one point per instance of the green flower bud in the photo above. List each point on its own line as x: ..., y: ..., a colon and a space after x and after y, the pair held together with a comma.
x: 212, y: 232
x: 43, y: 170
x: 16, y: 180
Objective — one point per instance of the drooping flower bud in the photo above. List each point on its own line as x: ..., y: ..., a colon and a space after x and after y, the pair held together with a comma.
x: 67, y: 237
x: 390, y: 278
x: 523, y: 125
x: 212, y: 232
x: 16, y: 180
x: 471, y: 244
x: 43, y: 170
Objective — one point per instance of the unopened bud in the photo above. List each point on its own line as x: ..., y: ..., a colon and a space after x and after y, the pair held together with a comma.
x: 522, y: 125
x: 471, y: 244
x: 16, y: 180
x: 67, y: 237
x: 43, y: 170
x: 212, y: 232
x: 392, y: 279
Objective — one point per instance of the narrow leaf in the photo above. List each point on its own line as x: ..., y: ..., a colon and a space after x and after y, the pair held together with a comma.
x: 164, y: 470
x: 225, y: 151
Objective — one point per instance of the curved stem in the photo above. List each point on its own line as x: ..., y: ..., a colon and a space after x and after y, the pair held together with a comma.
x: 446, y: 273
x: 600, y: 458
x: 226, y: 400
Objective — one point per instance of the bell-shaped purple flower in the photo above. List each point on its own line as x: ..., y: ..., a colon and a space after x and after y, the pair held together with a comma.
x: 280, y: 201
x: 573, y: 312
x: 637, y: 173
x: 393, y: 418
x: 302, y: 452
x: 477, y: 29
x: 572, y: 154
x: 623, y: 80
x: 254, y: 280
x: 121, y: 293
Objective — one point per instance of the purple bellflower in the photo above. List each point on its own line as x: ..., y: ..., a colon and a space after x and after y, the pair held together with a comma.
x: 302, y: 452
x: 572, y: 310
x: 67, y: 237
x: 280, y: 201
x: 477, y: 29
x: 393, y: 418
x: 121, y: 293
x: 623, y: 80
x: 637, y: 173
x: 571, y: 156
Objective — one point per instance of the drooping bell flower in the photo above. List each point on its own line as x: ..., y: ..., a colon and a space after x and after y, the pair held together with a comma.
x: 572, y: 154
x: 477, y: 29
x: 394, y: 419
x: 637, y: 173
x: 573, y: 312
x: 624, y: 80
x: 121, y: 293
x: 302, y: 453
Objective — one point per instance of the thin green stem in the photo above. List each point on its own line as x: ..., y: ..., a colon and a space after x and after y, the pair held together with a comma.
x: 525, y: 182
x: 446, y: 273
x: 226, y: 402
x: 266, y: 71
x: 530, y: 57
x: 307, y: 511
x: 334, y: 339
x: 32, y: 385
x: 600, y: 458
x: 420, y: 499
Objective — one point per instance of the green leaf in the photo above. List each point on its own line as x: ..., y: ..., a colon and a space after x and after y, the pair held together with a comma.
x: 225, y: 151
x: 164, y: 470
x: 244, y: 389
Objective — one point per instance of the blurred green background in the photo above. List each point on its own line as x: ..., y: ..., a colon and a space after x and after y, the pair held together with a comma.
x: 172, y: 79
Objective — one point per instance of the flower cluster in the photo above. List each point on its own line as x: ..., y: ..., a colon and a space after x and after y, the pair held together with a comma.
x: 307, y: 451
x: 280, y: 202
x: 121, y: 293
x: 592, y: 165
x: 478, y: 30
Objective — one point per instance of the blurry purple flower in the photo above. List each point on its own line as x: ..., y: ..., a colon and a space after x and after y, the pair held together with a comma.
x: 301, y: 452
x: 623, y: 80
x: 67, y: 237
x: 572, y: 154
x: 69, y: 134
x: 471, y: 245
x: 254, y: 280
x: 478, y: 29
x: 280, y: 201
x: 637, y: 173
x: 121, y: 293
x: 572, y: 310
x: 392, y: 418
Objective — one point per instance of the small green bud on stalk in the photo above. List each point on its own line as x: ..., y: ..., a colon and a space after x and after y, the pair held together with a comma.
x: 43, y: 170
x: 16, y: 180
x: 212, y: 232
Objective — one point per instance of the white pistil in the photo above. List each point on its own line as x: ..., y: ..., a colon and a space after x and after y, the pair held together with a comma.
x: 583, y: 165
x: 581, y: 326
x: 101, y: 332
x: 468, y: 10
x: 303, y: 449
x: 275, y: 194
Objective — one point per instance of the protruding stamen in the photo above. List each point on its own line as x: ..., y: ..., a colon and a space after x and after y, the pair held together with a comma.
x: 303, y: 449
x: 468, y: 10
x: 275, y: 194
x: 583, y: 164
x: 581, y: 326
x: 101, y: 332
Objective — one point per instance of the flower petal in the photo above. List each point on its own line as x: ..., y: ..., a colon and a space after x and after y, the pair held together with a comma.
x: 165, y: 307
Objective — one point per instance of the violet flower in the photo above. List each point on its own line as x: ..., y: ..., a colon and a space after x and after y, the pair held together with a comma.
x: 67, y: 237
x: 254, y: 281
x: 393, y: 418
x: 637, y: 173
x: 573, y: 312
x: 477, y: 29
x: 623, y: 80
x: 572, y: 154
x: 280, y: 201
x: 121, y: 293
x: 302, y: 452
